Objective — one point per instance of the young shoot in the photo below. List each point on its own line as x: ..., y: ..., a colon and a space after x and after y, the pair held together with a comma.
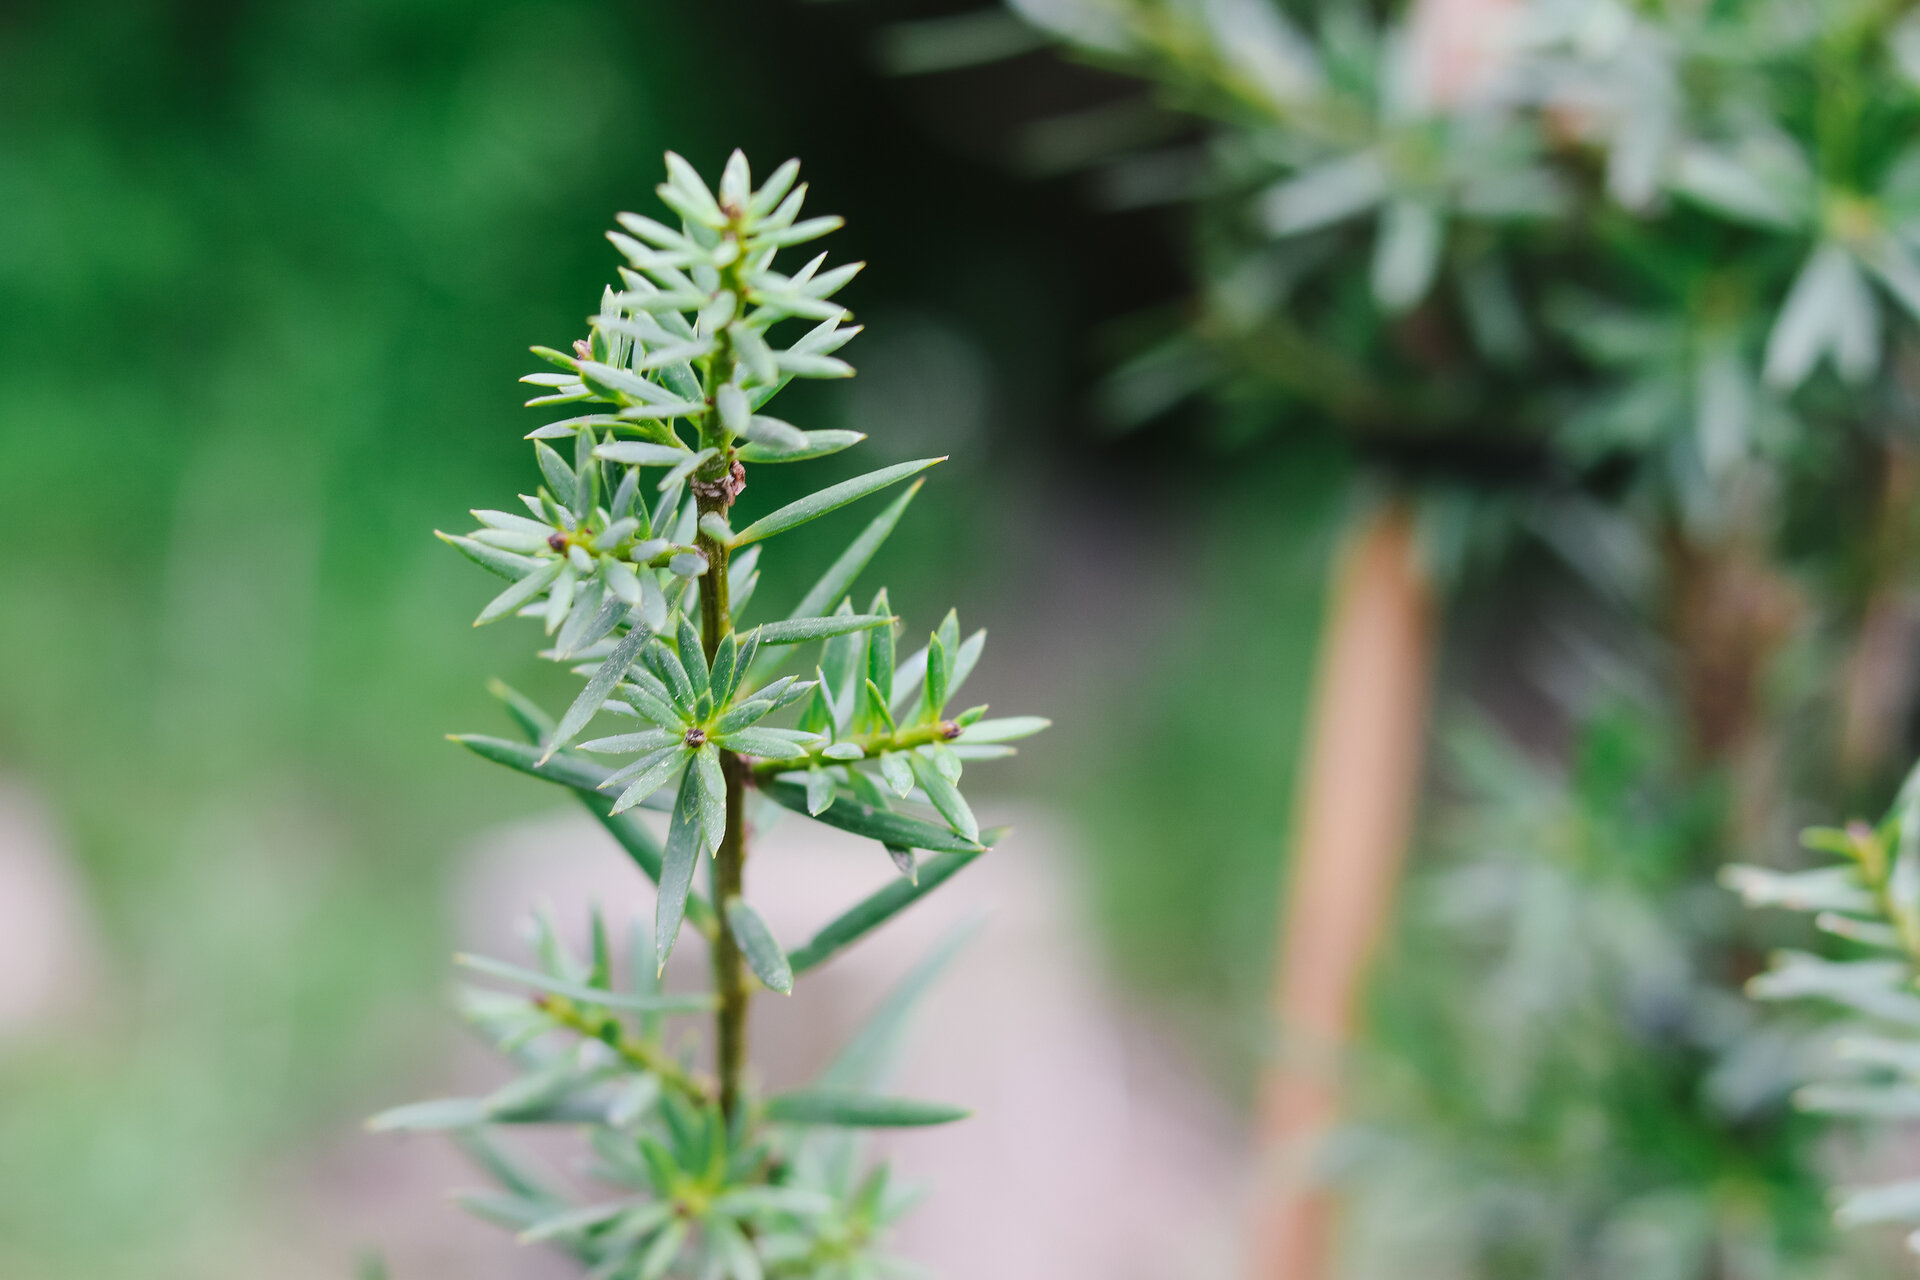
x: 638, y: 553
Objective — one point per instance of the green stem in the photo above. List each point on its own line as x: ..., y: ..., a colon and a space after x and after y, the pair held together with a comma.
x: 637, y: 1050
x: 730, y: 859
x: 729, y: 966
x: 871, y: 744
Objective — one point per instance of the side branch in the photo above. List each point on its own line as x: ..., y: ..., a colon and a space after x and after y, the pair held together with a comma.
x: 872, y: 744
x: 636, y: 1050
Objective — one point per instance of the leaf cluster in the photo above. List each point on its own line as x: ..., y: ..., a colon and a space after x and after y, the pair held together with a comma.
x: 1621, y: 231
x: 1868, y: 898
x: 630, y: 559
x: 1555, y: 1080
x: 693, y: 1193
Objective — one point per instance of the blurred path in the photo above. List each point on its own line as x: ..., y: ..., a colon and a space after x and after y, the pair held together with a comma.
x: 49, y: 947
x: 1094, y: 1153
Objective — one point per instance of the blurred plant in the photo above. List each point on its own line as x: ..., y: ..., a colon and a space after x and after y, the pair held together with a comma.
x: 1559, y: 1083
x: 1616, y: 276
x: 643, y: 592
x: 1869, y: 898
x: 1488, y: 228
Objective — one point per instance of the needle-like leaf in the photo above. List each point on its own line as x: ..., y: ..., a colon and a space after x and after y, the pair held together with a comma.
x: 828, y: 499
x: 598, y: 689
x: 878, y: 907
x: 676, y: 869
x: 801, y: 630
x: 652, y: 1002
x: 764, y: 956
x: 859, y: 1110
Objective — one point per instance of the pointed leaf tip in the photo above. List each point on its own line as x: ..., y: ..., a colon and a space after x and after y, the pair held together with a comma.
x: 677, y: 867
x: 831, y: 498
x: 763, y: 953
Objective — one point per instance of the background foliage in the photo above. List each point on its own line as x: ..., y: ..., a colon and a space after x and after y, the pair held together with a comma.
x: 1634, y: 285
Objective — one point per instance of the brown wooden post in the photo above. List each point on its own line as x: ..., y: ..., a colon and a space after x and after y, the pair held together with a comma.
x: 1359, y: 786
x: 1358, y: 793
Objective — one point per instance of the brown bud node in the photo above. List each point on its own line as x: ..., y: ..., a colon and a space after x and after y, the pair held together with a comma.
x: 724, y: 489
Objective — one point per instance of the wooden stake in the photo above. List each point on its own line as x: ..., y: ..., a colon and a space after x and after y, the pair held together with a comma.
x: 1358, y: 794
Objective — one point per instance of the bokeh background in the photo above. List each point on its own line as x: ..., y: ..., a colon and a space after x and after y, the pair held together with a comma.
x: 267, y: 273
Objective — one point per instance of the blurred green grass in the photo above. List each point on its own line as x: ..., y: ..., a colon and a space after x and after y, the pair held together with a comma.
x: 267, y: 276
